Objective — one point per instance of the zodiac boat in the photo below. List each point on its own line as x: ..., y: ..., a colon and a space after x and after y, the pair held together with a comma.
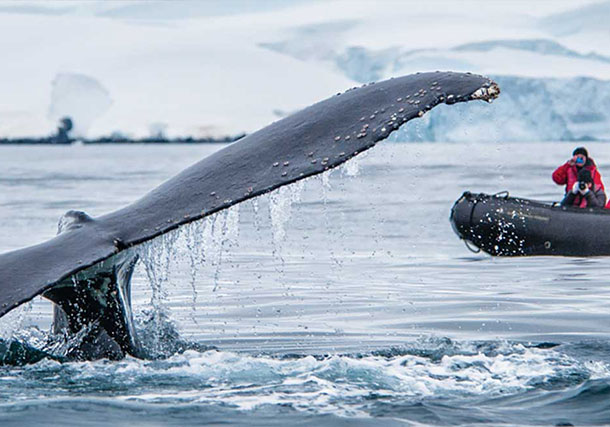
x: 510, y: 226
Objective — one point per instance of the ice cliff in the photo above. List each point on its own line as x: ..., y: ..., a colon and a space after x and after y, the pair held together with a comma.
x: 536, y: 108
x: 530, y: 109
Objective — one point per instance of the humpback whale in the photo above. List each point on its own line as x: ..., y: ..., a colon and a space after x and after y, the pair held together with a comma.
x: 86, y: 269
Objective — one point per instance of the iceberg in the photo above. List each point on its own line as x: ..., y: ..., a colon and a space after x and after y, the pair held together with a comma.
x: 79, y: 97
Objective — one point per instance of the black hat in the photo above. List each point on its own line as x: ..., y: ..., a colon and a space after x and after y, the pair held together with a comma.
x: 585, y: 176
x: 581, y: 150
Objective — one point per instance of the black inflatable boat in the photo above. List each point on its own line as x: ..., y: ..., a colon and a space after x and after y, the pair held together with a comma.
x: 507, y: 226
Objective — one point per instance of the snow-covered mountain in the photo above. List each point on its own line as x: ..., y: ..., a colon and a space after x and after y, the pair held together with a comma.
x: 209, y: 68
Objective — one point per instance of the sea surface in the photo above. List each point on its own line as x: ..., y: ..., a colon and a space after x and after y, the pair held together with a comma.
x: 344, y: 300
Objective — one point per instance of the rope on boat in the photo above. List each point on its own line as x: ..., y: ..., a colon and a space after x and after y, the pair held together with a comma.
x: 505, y: 194
x: 468, y: 243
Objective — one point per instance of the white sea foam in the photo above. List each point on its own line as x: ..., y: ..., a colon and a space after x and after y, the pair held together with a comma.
x: 343, y: 385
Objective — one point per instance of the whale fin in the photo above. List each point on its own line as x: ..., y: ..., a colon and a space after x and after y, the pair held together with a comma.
x: 306, y: 143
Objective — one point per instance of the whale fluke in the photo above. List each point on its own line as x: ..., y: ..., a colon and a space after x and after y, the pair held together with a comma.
x: 89, y: 253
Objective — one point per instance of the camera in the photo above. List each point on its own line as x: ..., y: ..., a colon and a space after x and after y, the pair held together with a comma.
x: 582, y: 185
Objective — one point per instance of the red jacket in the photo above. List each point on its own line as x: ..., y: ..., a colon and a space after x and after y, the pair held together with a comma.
x: 567, y: 175
x: 595, y: 198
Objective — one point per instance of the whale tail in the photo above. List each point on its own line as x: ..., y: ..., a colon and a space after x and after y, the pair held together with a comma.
x: 86, y: 269
x: 95, y: 302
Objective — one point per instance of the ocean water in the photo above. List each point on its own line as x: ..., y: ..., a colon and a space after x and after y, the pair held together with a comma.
x: 344, y: 300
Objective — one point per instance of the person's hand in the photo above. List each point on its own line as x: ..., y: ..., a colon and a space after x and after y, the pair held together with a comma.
x: 572, y: 161
x: 575, y: 188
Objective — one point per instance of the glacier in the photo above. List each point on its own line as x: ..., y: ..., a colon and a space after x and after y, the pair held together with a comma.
x: 209, y: 69
x: 530, y: 109
x: 553, y: 88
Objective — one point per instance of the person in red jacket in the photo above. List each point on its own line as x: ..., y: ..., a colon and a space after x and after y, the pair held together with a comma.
x: 584, y: 193
x: 567, y: 174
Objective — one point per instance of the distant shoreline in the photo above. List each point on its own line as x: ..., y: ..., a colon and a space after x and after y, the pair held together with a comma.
x: 110, y: 140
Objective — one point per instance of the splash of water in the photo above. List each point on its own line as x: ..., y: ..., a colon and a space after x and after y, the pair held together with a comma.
x: 156, y: 256
x: 221, y: 234
x: 61, y: 344
x: 193, y: 237
x: 13, y: 321
x: 280, y: 209
x: 351, y: 168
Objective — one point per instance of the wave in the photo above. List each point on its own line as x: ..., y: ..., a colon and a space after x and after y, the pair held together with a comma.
x: 439, y: 374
